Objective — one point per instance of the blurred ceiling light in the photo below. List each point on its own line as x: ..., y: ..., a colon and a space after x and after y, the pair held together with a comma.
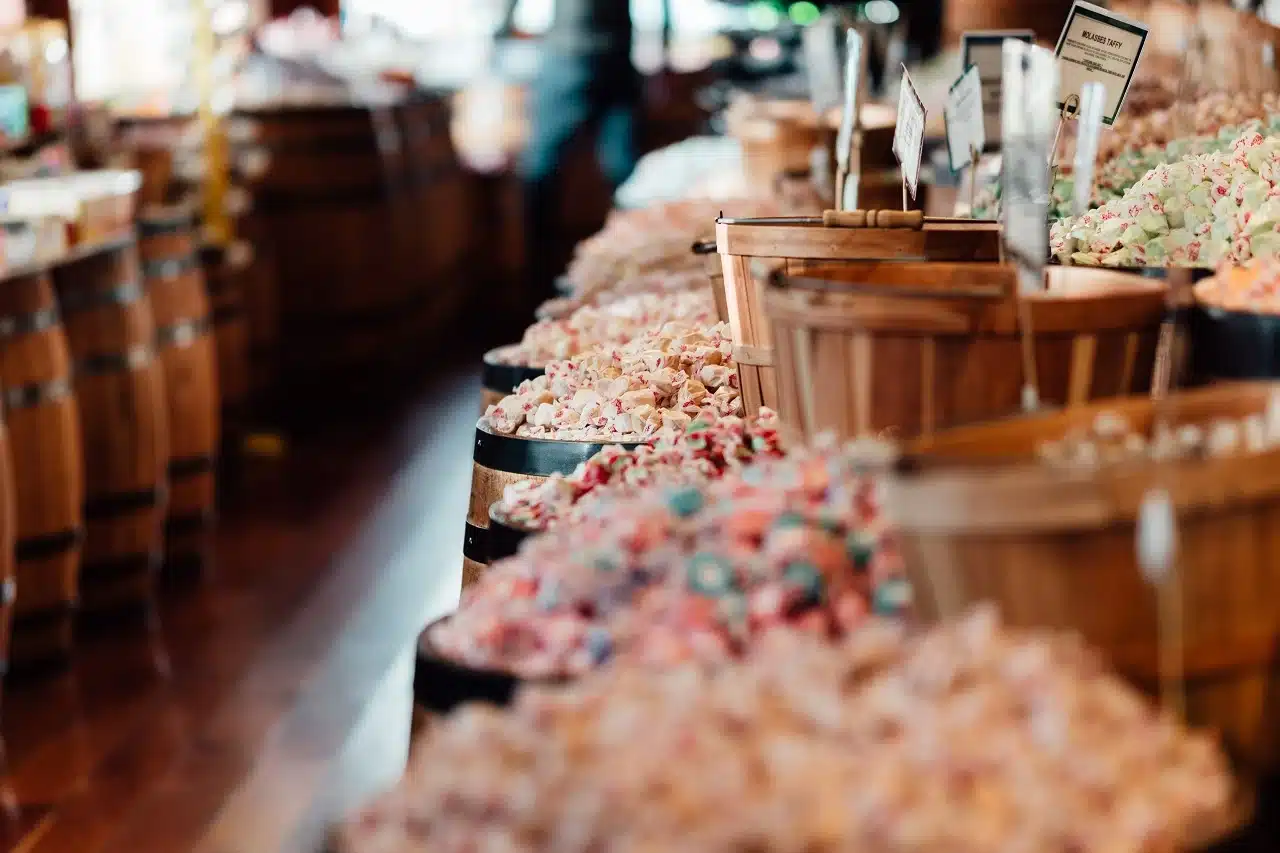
x: 881, y: 12
x: 765, y: 49
x: 230, y: 17
x: 804, y: 13
x: 763, y: 17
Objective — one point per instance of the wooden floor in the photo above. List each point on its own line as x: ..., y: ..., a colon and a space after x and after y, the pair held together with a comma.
x: 276, y: 694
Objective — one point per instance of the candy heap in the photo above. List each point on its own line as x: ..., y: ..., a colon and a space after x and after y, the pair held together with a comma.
x: 1205, y: 116
x: 711, y: 447
x: 1254, y: 288
x: 653, y: 239
x: 1111, y: 440
x: 1200, y: 211
x: 614, y: 324
x: 626, y: 287
x: 973, y: 738
x: 658, y: 382
x: 689, y: 572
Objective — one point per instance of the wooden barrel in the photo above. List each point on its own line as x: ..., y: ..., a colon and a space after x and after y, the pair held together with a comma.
x: 917, y: 347
x: 123, y: 417
x: 8, y: 526
x: 335, y: 203
x: 175, y: 282
x: 751, y: 250
x: 980, y: 519
x: 442, y: 218
x: 224, y: 272
x: 499, y: 461
x: 498, y: 380
x: 48, y: 468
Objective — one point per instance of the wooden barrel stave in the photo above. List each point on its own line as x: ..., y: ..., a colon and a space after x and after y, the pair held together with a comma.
x: 120, y: 388
x: 185, y: 343
x: 44, y: 434
x: 224, y: 271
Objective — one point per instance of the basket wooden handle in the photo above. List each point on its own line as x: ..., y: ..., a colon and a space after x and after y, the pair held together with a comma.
x: 909, y: 219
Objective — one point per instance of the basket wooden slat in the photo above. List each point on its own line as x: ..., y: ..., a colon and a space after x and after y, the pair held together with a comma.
x: 980, y: 520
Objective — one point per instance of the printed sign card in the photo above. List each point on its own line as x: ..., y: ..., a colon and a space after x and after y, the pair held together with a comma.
x: 1098, y: 46
x: 984, y: 49
x: 822, y: 62
x: 908, y: 136
x: 966, y: 129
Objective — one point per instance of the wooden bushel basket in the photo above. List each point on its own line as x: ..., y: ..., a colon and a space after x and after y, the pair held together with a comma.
x: 917, y: 347
x: 980, y: 519
x: 751, y: 249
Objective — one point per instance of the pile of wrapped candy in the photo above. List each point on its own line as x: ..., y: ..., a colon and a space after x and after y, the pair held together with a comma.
x: 698, y: 572
x: 710, y: 447
x: 624, y: 288
x: 1112, y: 440
x: 658, y: 382
x: 972, y: 738
x: 1253, y: 288
x: 1201, y: 211
x: 652, y: 239
x: 1204, y: 116
x: 613, y: 324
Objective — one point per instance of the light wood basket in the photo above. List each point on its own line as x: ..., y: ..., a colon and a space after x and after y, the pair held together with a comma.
x: 753, y: 249
x: 980, y: 519
x: 917, y: 347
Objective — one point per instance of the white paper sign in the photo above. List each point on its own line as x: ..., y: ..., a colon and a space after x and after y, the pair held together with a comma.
x: 966, y: 131
x: 854, y: 61
x: 985, y: 50
x: 1098, y: 46
x: 1028, y: 120
x: 908, y: 136
x: 1093, y: 98
x: 822, y: 62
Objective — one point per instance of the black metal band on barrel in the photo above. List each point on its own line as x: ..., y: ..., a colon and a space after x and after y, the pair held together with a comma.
x: 122, y: 503
x: 504, y: 540
x: 28, y: 324
x: 88, y: 299
x: 133, y: 358
x: 116, y: 568
x: 505, y: 377
x: 156, y: 225
x: 182, y: 334
x: 191, y: 466
x: 565, y: 285
x: 47, y: 545
x: 169, y: 268
x: 54, y: 614
x: 535, y: 457
x: 37, y: 394
x: 190, y: 523
x: 475, y: 545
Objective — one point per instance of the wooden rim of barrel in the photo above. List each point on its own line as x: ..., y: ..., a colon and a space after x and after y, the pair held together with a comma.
x: 535, y: 457
x: 498, y: 376
x: 985, y: 478
x: 157, y: 219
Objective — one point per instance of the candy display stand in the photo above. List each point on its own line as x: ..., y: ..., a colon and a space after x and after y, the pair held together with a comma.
x: 981, y: 519
x: 499, y: 461
x: 1228, y: 340
x: 916, y: 347
x: 750, y: 249
x: 498, y: 379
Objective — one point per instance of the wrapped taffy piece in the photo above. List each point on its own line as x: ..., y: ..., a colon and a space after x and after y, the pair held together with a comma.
x: 629, y: 393
x: 695, y: 571
x: 972, y: 738
x: 1199, y: 212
